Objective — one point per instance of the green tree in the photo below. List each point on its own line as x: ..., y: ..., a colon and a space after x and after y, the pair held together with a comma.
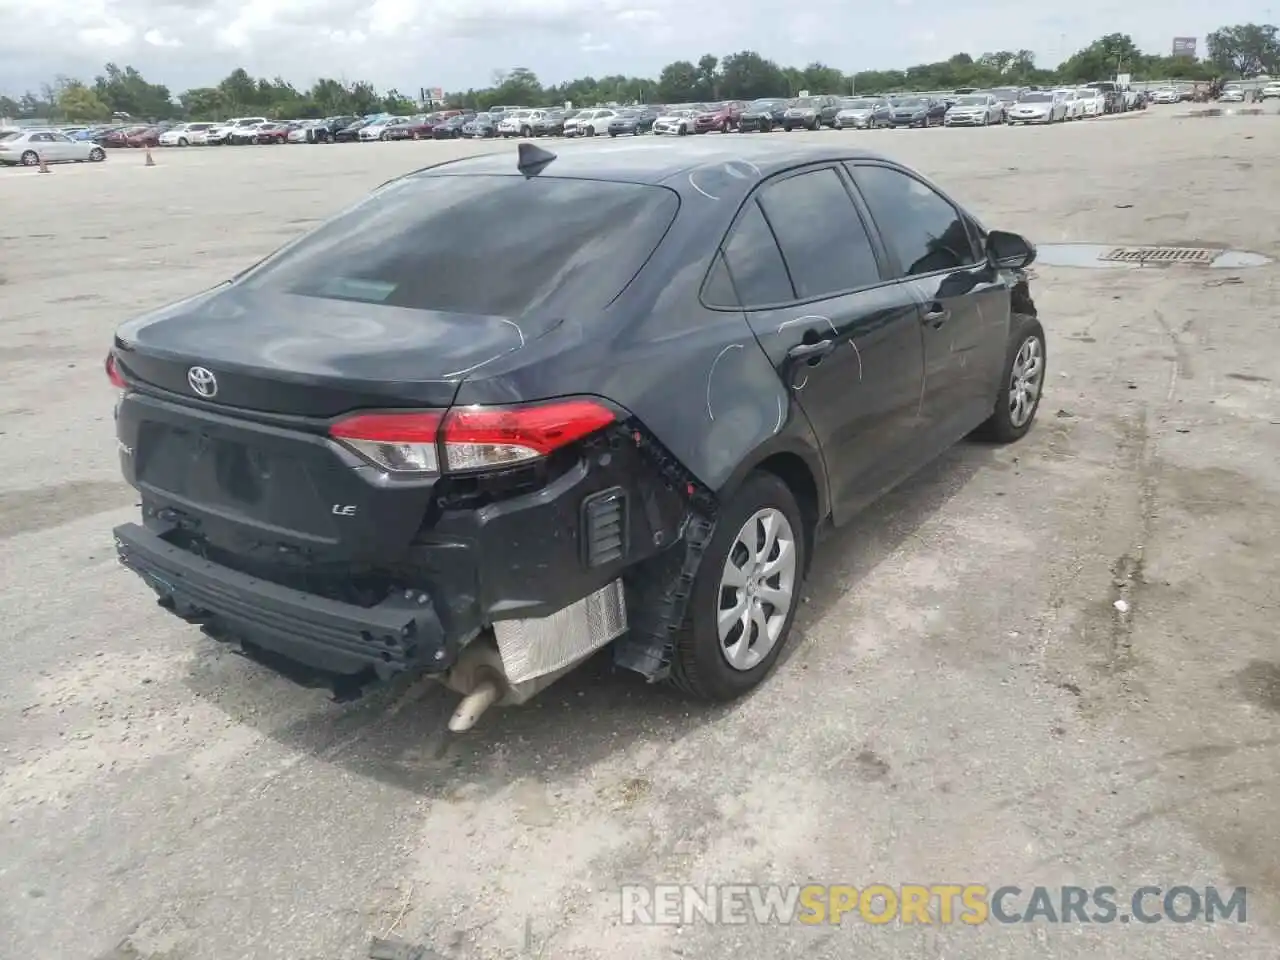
x: 748, y: 76
x: 1104, y: 58
x: 79, y: 104
x: 1245, y: 50
x: 679, y: 82
x: 125, y: 90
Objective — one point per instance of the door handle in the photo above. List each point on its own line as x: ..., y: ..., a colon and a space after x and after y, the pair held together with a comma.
x: 936, y: 315
x: 812, y: 352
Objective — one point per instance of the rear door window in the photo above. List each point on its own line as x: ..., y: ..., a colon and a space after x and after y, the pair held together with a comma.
x: 754, y: 262
x: 480, y: 244
x: 824, y: 243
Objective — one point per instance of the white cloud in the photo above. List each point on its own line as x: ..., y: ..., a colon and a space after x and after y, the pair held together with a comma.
x: 459, y: 43
x: 158, y: 39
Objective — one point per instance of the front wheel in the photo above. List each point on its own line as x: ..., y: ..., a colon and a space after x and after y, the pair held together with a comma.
x: 526, y: 132
x: 684, y: 131
x: 746, y: 593
x: 97, y: 155
x: 30, y: 159
x: 184, y: 142
x: 1021, y: 385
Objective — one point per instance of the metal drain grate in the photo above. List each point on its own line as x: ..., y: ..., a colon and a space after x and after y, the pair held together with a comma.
x: 1203, y: 255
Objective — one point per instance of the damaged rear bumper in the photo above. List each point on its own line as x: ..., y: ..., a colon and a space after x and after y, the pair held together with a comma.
x: 516, y: 591
x: 403, y: 631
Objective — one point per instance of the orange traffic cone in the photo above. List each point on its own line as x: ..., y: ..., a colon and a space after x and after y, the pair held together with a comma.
x: 151, y: 162
x: 44, y: 167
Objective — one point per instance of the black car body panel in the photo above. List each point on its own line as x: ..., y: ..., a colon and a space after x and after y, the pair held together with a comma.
x: 762, y: 115
x: 701, y: 388
x: 631, y: 123
x: 917, y: 112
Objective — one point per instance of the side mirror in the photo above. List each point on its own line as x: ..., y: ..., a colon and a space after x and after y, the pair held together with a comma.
x: 1009, y: 250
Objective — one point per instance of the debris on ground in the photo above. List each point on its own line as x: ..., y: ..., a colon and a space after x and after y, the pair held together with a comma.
x: 397, y: 949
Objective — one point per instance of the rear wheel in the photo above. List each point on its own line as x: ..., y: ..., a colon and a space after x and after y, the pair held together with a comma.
x: 1022, y: 384
x: 746, y: 593
x: 30, y: 159
x: 184, y: 142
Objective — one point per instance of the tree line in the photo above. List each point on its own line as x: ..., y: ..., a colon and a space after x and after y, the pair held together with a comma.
x: 1244, y: 50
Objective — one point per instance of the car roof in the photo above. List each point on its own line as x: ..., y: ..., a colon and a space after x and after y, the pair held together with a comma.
x: 654, y: 162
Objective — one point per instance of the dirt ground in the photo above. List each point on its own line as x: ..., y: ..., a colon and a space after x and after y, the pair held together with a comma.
x: 962, y: 701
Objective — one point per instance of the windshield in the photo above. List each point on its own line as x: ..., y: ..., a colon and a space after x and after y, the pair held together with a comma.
x: 1036, y: 98
x: 764, y: 104
x: 482, y: 245
x: 911, y: 102
x: 804, y: 103
x: 858, y: 105
x: 1005, y: 93
x: 971, y: 102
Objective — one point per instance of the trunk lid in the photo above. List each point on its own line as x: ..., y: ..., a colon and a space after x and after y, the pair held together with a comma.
x: 249, y: 470
x: 309, y: 356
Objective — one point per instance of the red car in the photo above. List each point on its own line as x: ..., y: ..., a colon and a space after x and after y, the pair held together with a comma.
x: 275, y: 132
x: 418, y: 128
x: 119, y: 137
x: 144, y: 137
x: 719, y: 116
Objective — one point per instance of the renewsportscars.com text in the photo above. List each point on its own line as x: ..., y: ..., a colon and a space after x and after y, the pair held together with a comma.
x: 965, y: 904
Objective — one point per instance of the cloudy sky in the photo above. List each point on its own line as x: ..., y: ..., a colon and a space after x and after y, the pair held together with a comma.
x: 456, y: 44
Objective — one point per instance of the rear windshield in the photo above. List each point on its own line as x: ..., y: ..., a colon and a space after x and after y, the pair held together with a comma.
x: 480, y: 244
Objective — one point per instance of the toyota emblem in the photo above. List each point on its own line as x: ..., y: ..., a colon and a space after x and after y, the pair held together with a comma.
x: 202, y: 382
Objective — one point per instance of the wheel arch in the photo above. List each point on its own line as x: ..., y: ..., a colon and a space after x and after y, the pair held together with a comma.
x: 800, y: 467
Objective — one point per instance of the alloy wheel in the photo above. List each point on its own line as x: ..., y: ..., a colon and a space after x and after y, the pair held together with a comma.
x: 1025, y: 381
x: 757, y: 589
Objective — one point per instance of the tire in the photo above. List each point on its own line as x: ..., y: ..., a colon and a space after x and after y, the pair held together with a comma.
x: 700, y: 666
x: 787, y: 127
x: 591, y: 131
x: 184, y: 142
x: 30, y: 159
x: 684, y: 130
x: 612, y: 134
x: 1025, y: 334
x: 97, y: 155
x: 526, y: 132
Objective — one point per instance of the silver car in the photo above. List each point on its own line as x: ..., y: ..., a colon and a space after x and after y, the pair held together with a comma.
x: 863, y: 113
x: 1038, y: 106
x: 974, y: 110
x: 29, y: 147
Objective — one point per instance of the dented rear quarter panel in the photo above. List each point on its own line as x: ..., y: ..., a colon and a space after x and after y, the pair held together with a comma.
x: 697, y: 379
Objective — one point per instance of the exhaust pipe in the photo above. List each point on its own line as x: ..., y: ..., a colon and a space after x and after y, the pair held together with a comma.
x: 485, y: 695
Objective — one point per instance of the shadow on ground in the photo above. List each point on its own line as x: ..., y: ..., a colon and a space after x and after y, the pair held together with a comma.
x: 397, y: 734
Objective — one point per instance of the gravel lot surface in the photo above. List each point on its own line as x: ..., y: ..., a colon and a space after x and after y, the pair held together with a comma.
x: 963, y: 702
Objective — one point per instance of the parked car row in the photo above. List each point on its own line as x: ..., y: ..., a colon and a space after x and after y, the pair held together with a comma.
x: 963, y: 108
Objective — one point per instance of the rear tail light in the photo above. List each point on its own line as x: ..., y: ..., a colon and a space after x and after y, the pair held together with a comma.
x: 113, y: 373
x: 470, y: 438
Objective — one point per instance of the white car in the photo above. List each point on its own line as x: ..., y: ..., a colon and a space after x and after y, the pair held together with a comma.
x: 1075, y: 109
x: 1093, y: 103
x: 185, y: 134
x: 589, y: 122
x: 299, y: 133
x: 237, y: 128
x: 677, y: 123
x: 513, y: 124
x: 1038, y: 106
x: 378, y: 131
x: 1232, y: 93
x: 29, y: 147
x: 1165, y: 95
x: 1272, y: 89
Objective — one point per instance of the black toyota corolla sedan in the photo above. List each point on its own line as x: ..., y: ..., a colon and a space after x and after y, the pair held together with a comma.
x: 515, y: 408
